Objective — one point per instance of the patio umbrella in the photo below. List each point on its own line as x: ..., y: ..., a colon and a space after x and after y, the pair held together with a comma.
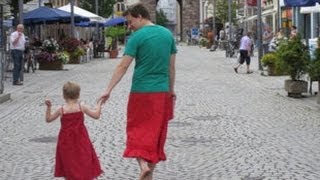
x: 50, y: 15
x: 88, y: 24
x: 115, y: 21
x: 7, y: 23
x: 77, y: 10
x: 300, y: 3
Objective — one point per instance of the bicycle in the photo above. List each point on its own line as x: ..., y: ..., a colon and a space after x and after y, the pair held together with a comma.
x: 31, y: 60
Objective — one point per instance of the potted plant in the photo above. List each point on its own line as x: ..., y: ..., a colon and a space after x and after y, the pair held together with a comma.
x: 269, y: 60
x: 52, y: 61
x: 47, y: 58
x: 314, y: 68
x: 73, y: 47
x: 294, y: 59
x: 114, y: 32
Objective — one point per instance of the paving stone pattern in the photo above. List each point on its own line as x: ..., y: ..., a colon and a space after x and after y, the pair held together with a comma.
x: 227, y: 126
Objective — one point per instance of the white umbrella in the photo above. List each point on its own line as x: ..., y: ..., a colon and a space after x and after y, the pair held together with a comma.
x: 93, y: 17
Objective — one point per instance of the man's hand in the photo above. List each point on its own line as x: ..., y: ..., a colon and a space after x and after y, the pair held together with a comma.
x: 173, y: 95
x: 104, y: 97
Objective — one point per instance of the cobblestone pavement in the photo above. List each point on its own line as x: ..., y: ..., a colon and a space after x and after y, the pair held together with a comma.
x: 227, y: 126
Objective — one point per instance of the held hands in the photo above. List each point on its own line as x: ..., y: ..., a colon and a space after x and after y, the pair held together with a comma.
x: 104, y: 97
x: 99, y: 102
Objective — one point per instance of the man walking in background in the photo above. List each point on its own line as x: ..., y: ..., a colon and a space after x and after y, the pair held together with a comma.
x: 266, y: 39
x: 245, y: 49
x: 17, y: 46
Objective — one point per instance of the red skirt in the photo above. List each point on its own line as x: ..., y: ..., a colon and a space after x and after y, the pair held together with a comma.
x: 148, y: 115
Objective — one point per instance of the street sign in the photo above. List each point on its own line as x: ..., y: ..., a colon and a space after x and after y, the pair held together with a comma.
x: 195, y: 33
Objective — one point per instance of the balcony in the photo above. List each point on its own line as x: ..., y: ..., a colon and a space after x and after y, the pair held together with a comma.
x: 268, y: 4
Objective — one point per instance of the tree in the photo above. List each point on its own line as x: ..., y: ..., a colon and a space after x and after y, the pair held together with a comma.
x: 14, y: 4
x: 222, y: 11
x: 105, y: 6
x: 161, y: 18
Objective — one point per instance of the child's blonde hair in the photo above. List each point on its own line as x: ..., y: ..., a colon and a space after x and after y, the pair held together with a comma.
x: 71, y: 90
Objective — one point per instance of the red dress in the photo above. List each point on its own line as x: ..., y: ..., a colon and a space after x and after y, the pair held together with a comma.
x: 75, y: 156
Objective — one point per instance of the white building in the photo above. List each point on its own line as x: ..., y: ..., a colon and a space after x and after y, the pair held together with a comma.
x: 169, y: 9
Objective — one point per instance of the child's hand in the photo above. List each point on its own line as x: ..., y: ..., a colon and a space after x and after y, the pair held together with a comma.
x: 48, y: 102
x: 104, y: 97
x: 99, y: 102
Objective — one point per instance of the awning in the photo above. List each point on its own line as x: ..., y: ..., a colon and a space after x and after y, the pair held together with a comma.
x: 251, y: 18
x: 269, y: 12
x: 47, y: 15
x: 311, y: 9
x: 115, y: 21
x: 300, y: 3
x: 264, y: 13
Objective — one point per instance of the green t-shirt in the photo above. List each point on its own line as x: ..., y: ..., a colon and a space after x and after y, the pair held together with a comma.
x: 151, y: 46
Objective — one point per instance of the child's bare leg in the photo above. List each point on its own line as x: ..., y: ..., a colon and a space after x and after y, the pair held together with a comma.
x: 152, y: 167
x: 144, y: 168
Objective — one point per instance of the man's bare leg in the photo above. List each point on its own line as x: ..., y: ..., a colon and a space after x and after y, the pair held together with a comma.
x: 144, y: 168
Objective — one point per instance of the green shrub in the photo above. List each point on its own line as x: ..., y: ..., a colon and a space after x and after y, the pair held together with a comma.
x: 269, y: 59
x: 294, y: 58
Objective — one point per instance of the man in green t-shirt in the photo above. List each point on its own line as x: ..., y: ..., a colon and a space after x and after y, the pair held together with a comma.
x: 150, y: 105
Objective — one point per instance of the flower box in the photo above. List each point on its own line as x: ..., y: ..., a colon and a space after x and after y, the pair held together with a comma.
x: 51, y: 65
x: 52, y: 61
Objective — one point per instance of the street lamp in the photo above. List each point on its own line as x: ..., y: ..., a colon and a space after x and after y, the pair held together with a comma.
x: 20, y: 11
x: 72, y: 17
x: 259, y: 34
x: 213, y: 18
x: 229, y: 18
x: 97, y: 13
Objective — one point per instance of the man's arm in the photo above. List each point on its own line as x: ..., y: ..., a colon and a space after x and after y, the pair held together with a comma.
x: 172, y: 72
x: 118, y: 73
x: 16, y: 38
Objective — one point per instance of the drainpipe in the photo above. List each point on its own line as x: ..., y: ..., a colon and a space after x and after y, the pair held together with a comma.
x: 259, y: 25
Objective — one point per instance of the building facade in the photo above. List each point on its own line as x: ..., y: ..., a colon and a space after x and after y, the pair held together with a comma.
x: 59, y: 3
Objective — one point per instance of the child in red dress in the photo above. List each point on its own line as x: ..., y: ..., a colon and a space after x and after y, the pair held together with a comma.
x: 75, y: 156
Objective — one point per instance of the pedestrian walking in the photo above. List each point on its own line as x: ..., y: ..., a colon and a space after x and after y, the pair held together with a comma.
x: 75, y: 154
x: 293, y: 31
x: 245, y: 49
x: 266, y: 39
x: 274, y: 43
x: 150, y: 104
x: 17, y: 47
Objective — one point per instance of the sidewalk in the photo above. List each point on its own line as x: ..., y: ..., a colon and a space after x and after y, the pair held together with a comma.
x: 308, y: 98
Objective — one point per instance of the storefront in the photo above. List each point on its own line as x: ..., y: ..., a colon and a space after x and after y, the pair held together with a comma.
x: 286, y: 19
x: 313, y: 15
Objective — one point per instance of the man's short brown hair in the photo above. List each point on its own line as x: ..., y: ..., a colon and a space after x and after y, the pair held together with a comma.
x: 137, y: 10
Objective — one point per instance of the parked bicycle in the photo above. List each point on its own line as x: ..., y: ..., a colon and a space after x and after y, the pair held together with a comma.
x: 232, y: 46
x: 30, y: 59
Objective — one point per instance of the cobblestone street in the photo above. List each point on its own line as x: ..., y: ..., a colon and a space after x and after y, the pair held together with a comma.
x: 227, y: 126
